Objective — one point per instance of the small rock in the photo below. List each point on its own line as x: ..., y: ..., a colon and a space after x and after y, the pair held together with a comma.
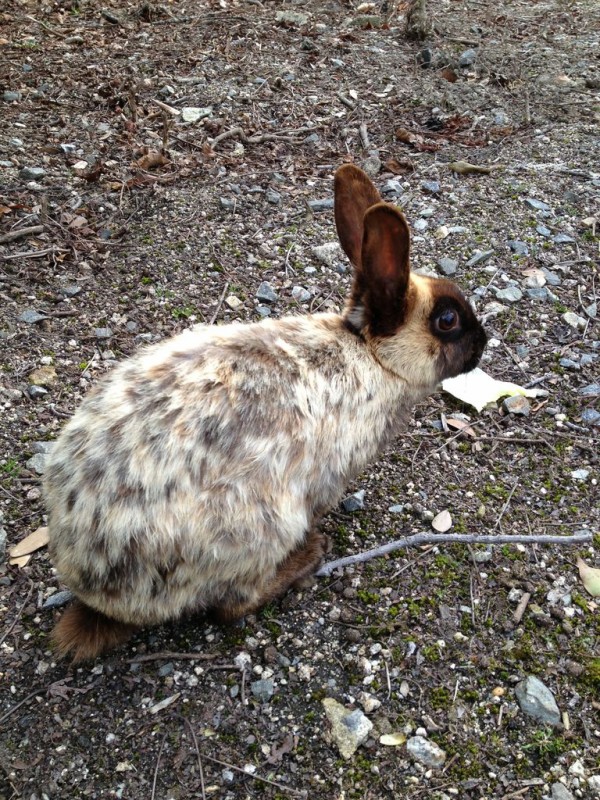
x: 392, y: 187
x: 372, y: 165
x: 226, y: 203
x: 592, y: 310
x: 539, y: 293
x: 70, y: 291
x: 568, y: 363
x: 580, y: 474
x: 328, y: 254
x: 354, y: 502
x: 420, y: 225
x: 349, y: 729
x: 233, y: 302
x: 43, y: 376
x: 560, y: 792
x: 266, y: 293
x: 291, y: 18
x: 467, y: 58
x: 32, y: 173
x: 320, y: 205
x: 538, y: 205
x: 432, y: 187
x: 594, y: 785
x: 273, y: 197
x: 36, y: 392
x: 166, y: 669
x: 518, y: 247
x: 517, y: 405
x: 543, y: 230
x: 31, y: 316
x: 577, y: 769
x: 264, y: 311
x: 552, y: 278
x: 591, y: 390
x: 300, y: 294
x: 193, y: 114
x: 479, y: 258
x: 512, y: 294
x: 42, y: 447
x: 589, y: 416
x: 37, y: 463
x: 58, y: 599
x: 448, y: 266
x: 397, y: 509
x: 103, y: 333
x: 563, y: 238
x: 11, y: 97
x: 425, y: 751
x: 442, y: 522
x: 574, y: 320
x: 536, y: 700
x: 263, y: 690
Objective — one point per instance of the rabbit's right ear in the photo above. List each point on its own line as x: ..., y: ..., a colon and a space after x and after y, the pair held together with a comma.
x: 354, y: 195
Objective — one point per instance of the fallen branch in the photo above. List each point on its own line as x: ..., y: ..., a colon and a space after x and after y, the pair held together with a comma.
x: 450, y: 538
x: 258, y: 138
x: 18, y: 234
x: 174, y: 656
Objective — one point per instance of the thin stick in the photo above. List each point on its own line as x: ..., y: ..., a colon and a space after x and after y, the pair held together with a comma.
x: 33, y: 253
x: 520, y: 609
x: 22, y: 702
x: 506, y: 505
x: 219, y: 304
x: 19, y: 613
x: 254, y: 777
x: 364, y: 135
x: 450, y: 538
x: 174, y: 656
x: 189, y: 724
x: 20, y: 233
x: 162, y: 744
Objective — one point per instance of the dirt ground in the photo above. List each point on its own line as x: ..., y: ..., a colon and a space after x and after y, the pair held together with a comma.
x: 185, y: 152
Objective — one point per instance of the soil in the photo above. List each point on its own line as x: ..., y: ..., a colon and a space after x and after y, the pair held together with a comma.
x: 145, y: 223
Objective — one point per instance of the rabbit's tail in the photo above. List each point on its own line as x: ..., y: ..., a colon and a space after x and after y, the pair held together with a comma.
x: 84, y: 633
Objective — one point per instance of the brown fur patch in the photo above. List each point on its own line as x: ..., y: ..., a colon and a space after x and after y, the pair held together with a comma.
x: 85, y: 634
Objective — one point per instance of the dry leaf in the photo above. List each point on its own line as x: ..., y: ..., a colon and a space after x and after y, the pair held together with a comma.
x: 392, y: 739
x: 442, y: 522
x: 477, y: 388
x: 20, y: 561
x: 461, y: 425
x: 31, y: 543
x: 590, y: 578
x: 151, y: 160
x: 398, y: 167
x: 448, y: 74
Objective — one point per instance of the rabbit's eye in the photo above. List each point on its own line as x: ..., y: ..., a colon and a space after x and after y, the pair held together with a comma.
x: 447, y: 321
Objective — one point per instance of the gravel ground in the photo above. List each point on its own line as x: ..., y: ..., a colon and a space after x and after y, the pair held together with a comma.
x: 158, y: 164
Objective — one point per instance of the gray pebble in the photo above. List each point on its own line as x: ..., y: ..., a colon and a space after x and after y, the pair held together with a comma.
x: 372, y: 166
x: 563, y: 238
x: 425, y: 751
x: 552, y: 278
x: 522, y: 351
x: 517, y: 405
x: 592, y: 310
x: 312, y: 138
x: 36, y: 392
x: 16, y: 143
x: 467, y: 58
x: 70, y: 291
x: 543, y: 230
x: 538, y: 293
x: 166, y: 669
x: 321, y: 205
x: 560, y: 792
x: 58, y: 599
x: 397, y: 509
x: 263, y: 690
x: 432, y: 187
x: 103, y: 333
x: 11, y: 97
x: 266, y: 293
x: 536, y: 700
x: 587, y: 359
x: 538, y: 205
x: 273, y: 197
x: 300, y: 294
x: 392, y: 187
x: 31, y: 316
x: 37, y: 463
x: 448, y: 265
x: 420, y: 225
x: 568, y: 363
x: 32, y: 173
x: 354, y: 502
x: 518, y: 247
x: 42, y: 447
x: 512, y: 294
x: 479, y: 258
x: 132, y: 326
x: 574, y: 320
x: 226, y: 203
x: 264, y: 311
x: 591, y: 390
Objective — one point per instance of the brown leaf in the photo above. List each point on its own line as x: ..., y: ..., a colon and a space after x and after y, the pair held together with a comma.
x: 461, y: 425
x: 285, y: 747
x: 449, y: 75
x: 151, y: 160
x: 406, y: 136
x: 399, y: 167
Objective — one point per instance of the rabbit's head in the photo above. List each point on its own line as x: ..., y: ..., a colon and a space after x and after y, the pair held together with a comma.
x: 422, y: 329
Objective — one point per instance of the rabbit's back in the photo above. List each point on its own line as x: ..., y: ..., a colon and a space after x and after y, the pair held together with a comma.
x: 197, y: 465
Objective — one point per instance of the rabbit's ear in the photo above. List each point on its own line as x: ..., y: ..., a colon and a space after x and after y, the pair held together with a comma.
x: 385, y: 270
x: 354, y: 194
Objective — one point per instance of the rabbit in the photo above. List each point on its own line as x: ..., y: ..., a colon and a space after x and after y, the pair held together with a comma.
x: 192, y: 478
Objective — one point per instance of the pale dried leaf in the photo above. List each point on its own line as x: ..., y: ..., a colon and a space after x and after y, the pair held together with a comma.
x: 442, y: 522
x: 31, y: 543
x: 392, y: 739
x: 590, y: 578
x: 461, y: 425
x: 477, y: 388
x: 151, y: 160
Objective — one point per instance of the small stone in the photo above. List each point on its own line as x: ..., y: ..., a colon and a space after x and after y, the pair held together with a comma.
x: 233, y: 302
x: 589, y: 416
x: 349, y: 729
x: 71, y: 290
x: 43, y: 376
x: 396, y: 509
x: 226, y: 203
x: 431, y: 187
x: 425, y: 751
x: 568, y: 363
x: 264, y: 311
x: 32, y: 173
x: 354, y: 502
x: 300, y: 294
x: 328, y: 254
x: 560, y: 792
x: 536, y: 700
x: 512, y: 294
x: 467, y: 58
x: 37, y: 463
x: 103, y: 333
x: 42, y: 447
x: 479, y: 258
x: 58, y: 599
x: 273, y: 197
x: 442, y: 522
x: 574, y: 320
x: 420, y: 225
x: 266, y: 293
x: 591, y: 390
x: 552, y: 278
x: 563, y: 238
x: 591, y: 310
x: 320, y: 205
x: 35, y: 392
x: 32, y: 316
x: 538, y: 205
x: 194, y: 114
x: 517, y: 405
x: 392, y: 187
x: 448, y: 266
x: 263, y: 690
x: 594, y: 785
x: 11, y: 97
x: 540, y: 293
x: 580, y: 474
x: 291, y: 18
x: 543, y: 230
x: 518, y: 247
x: 372, y: 165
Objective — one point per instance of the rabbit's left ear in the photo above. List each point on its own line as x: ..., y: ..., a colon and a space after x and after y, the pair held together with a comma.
x: 385, y: 264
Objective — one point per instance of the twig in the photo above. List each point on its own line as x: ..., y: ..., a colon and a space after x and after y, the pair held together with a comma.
x: 520, y: 609
x: 506, y: 504
x: 219, y: 304
x: 258, y: 138
x: 22, y: 702
x: 162, y: 744
x: 18, y: 234
x: 47, y: 27
x: 189, y: 724
x: 450, y: 538
x: 364, y: 135
x: 175, y: 112
x: 254, y: 777
x: 174, y: 656
x: 34, y: 253
x: 19, y: 613
x: 346, y: 101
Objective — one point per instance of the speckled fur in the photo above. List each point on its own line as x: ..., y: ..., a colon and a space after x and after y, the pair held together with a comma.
x: 194, y: 475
